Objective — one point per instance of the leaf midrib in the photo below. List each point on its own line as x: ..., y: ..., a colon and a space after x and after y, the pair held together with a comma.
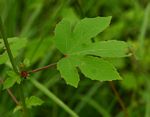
x: 92, y: 50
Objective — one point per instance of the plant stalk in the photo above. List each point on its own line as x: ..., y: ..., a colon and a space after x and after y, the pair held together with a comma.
x: 43, y: 89
x: 11, y: 58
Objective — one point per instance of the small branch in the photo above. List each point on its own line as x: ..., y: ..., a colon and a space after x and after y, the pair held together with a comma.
x: 13, y: 97
x: 11, y: 94
x: 25, y: 74
x: 119, y: 99
x: 42, y: 68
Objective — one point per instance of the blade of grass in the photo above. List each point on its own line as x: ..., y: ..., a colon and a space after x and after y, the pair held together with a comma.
x: 143, y: 30
x: 27, y: 26
x: 51, y: 19
x: 90, y: 93
x: 96, y: 106
x: 47, y: 92
x: 49, y: 83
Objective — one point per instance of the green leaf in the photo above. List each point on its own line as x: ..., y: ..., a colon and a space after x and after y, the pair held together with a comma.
x: 68, y: 71
x: 3, y: 54
x: 74, y: 41
x: 11, y: 80
x: 67, y: 40
x: 3, y: 58
x: 63, y: 36
x: 17, y: 108
x: 110, y: 48
x: 98, y: 69
x: 88, y: 28
x: 33, y: 101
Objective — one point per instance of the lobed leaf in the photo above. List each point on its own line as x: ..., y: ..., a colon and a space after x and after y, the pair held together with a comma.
x: 63, y: 36
x: 98, y: 69
x: 67, y: 38
x: 87, y: 29
x: 75, y: 42
x: 68, y: 71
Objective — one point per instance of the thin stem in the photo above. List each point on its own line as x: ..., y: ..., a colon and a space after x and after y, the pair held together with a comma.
x: 3, y: 33
x: 53, y: 97
x: 42, y: 68
x: 119, y: 98
x: 11, y: 94
x: 13, y: 97
x: 11, y: 58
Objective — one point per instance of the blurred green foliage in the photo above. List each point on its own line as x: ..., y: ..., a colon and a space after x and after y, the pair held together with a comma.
x: 35, y: 21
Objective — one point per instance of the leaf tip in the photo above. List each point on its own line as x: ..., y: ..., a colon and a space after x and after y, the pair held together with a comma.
x: 74, y: 84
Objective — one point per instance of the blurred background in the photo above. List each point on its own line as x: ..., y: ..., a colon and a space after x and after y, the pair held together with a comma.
x: 32, y: 22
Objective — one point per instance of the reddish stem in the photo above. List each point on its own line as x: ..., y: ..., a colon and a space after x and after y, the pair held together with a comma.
x: 119, y: 99
x: 42, y: 68
x: 13, y: 97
